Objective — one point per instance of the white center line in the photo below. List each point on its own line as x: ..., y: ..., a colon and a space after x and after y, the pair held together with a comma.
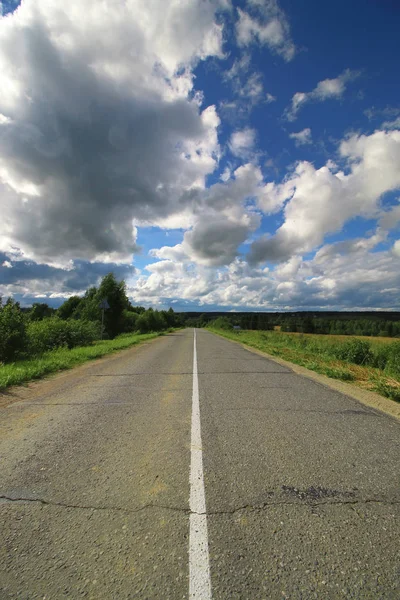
x: 199, y: 561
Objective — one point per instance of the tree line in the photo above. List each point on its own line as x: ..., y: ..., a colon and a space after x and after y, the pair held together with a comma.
x: 29, y: 332
x: 385, y: 324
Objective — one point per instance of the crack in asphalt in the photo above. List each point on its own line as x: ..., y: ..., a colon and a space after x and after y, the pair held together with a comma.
x: 44, y: 502
x: 261, y: 507
x: 209, y: 513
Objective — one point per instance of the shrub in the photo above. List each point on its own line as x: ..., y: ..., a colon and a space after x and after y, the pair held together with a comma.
x: 356, y: 351
x: 151, y: 320
x: 13, y: 336
x: 393, y: 363
x: 381, y: 356
x: 129, y: 320
x: 69, y: 308
x: 55, y: 333
x: 221, y: 323
x: 82, y: 333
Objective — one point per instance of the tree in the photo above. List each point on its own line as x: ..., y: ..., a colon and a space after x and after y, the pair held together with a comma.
x: 88, y: 309
x: 12, y: 331
x: 170, y: 317
x: 221, y: 323
x: 40, y: 311
x: 130, y: 321
x: 69, y: 308
x: 115, y: 293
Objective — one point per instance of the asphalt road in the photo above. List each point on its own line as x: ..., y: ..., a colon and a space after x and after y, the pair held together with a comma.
x: 302, y: 484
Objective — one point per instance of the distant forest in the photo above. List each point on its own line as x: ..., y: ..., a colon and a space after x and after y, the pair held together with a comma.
x: 385, y: 324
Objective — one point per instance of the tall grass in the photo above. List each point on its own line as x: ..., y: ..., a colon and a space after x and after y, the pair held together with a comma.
x: 63, y: 358
x: 372, y: 365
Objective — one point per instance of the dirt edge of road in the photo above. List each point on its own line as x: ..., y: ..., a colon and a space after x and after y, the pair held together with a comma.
x: 371, y: 399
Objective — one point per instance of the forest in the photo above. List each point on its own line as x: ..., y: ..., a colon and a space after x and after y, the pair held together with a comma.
x: 382, y: 324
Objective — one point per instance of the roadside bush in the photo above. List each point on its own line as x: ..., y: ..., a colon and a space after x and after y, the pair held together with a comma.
x: 82, y: 333
x: 151, y: 320
x: 221, y: 323
x: 129, y: 320
x: 55, y: 333
x: 355, y: 351
x: 13, y: 336
x: 392, y: 366
x: 381, y: 356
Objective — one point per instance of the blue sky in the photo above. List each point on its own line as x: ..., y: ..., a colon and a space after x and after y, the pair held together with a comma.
x: 239, y: 155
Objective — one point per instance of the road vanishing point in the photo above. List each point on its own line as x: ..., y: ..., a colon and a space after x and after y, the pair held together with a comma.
x: 190, y: 467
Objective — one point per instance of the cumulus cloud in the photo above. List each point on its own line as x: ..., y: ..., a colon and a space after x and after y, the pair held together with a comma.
x: 100, y: 124
x: 320, y: 201
x: 224, y: 221
x: 216, y: 242
x: 242, y: 142
x: 394, y: 124
x: 247, y: 86
x: 266, y: 24
x: 337, y: 277
x: 325, y: 90
x: 29, y: 279
x: 302, y: 138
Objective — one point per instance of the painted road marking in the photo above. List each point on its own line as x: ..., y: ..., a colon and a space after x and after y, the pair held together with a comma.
x: 199, y: 561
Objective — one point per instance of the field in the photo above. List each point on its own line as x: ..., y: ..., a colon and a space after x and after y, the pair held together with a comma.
x: 63, y: 358
x: 344, y: 338
x: 370, y: 363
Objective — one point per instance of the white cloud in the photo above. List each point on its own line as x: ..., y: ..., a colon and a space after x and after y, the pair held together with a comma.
x: 395, y: 124
x: 215, y: 241
x: 302, y: 138
x: 242, y: 142
x: 265, y: 24
x: 240, y: 67
x: 319, y: 201
x: 269, y: 98
x: 396, y: 248
x: 247, y: 86
x: 226, y: 218
x: 225, y: 176
x: 339, y: 276
x: 390, y: 218
x: 326, y: 89
x: 100, y: 125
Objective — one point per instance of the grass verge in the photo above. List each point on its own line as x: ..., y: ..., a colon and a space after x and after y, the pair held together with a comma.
x: 62, y: 358
x: 319, y: 353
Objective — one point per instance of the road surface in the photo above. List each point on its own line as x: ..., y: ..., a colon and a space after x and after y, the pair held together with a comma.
x: 167, y: 473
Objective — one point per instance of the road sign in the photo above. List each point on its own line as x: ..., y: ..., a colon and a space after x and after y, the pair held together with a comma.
x: 104, y: 304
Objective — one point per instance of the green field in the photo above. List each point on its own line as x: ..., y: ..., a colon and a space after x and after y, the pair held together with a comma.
x: 370, y: 363
x: 62, y: 358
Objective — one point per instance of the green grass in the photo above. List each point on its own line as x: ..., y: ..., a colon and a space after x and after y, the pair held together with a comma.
x: 370, y: 365
x: 61, y: 359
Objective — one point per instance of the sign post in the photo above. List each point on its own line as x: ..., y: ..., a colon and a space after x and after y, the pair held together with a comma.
x: 104, y: 306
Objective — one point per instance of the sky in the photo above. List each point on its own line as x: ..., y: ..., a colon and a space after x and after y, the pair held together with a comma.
x: 216, y: 154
